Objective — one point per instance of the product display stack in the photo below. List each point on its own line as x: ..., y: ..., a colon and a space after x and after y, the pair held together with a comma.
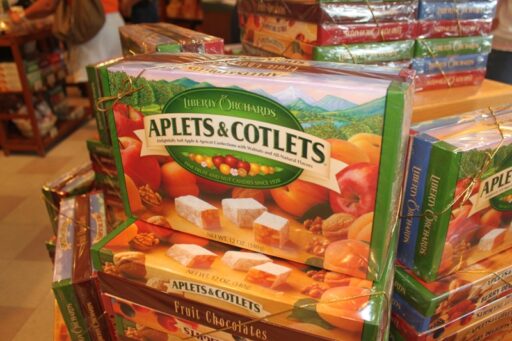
x: 163, y: 37
x: 453, y: 277
x: 454, y: 39
x: 359, y: 32
x: 238, y: 184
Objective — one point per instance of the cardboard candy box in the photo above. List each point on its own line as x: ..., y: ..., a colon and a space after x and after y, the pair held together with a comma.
x: 454, y: 10
x: 77, y: 181
x: 362, y: 53
x: 102, y: 158
x: 428, y: 48
x: 333, y: 12
x: 284, y: 195
x: 82, y: 223
x: 453, y: 28
x: 236, y: 291
x: 96, y: 94
x: 450, y: 64
x: 449, y: 80
x: 467, y: 295
x: 465, y: 212
x: 328, y: 33
x: 164, y: 37
x: 442, y: 326
x: 496, y: 326
x: 140, y: 322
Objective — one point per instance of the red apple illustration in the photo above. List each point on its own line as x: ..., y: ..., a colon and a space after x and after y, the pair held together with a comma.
x: 211, y: 187
x: 168, y: 322
x: 244, y: 164
x: 231, y: 161
x: 177, y: 181
x: 358, y: 186
x: 141, y: 169
x: 217, y: 161
x: 127, y: 120
x: 298, y: 197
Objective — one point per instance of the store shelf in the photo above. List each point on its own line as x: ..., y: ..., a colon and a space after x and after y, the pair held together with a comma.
x: 9, y: 39
x: 16, y: 142
x: 429, y: 105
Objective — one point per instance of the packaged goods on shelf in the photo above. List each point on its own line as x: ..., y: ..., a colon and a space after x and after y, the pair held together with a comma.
x: 82, y: 223
x: 363, y: 53
x: 77, y: 181
x: 450, y: 62
x: 466, y: 295
x: 238, y: 292
x: 333, y: 12
x: 136, y: 321
x: 426, y: 48
x: 495, y: 326
x: 464, y: 212
x: 164, y: 37
x: 454, y: 10
x: 453, y: 28
x: 348, y: 32
x: 449, y: 80
x: 296, y: 183
x: 328, y: 33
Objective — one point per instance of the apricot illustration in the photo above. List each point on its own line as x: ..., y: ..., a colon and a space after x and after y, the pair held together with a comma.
x: 491, y: 218
x: 341, y: 307
x: 133, y: 194
x: 347, y: 152
x: 347, y: 256
x: 370, y: 143
x: 299, y: 196
x: 122, y: 239
x: 177, y: 181
x: 361, y: 228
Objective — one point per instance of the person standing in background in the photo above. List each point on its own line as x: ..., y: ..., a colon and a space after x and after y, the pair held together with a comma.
x: 140, y: 11
x: 103, y: 46
x: 499, y: 65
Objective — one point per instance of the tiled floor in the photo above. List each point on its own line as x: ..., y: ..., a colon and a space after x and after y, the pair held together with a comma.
x: 26, y: 300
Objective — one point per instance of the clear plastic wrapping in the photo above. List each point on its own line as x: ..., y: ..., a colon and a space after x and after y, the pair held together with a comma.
x: 164, y: 37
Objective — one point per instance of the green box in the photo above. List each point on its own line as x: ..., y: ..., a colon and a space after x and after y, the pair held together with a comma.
x: 452, y: 46
x: 307, y: 135
x: 465, y: 213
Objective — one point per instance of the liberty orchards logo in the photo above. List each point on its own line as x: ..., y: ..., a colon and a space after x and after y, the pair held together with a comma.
x: 238, y: 138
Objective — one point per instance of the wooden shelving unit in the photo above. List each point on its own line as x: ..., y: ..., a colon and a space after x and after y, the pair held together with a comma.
x: 11, y: 140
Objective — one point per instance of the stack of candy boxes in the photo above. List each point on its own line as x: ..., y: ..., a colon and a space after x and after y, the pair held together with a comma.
x: 453, y: 275
x: 227, y: 243
x: 446, y: 42
x: 356, y: 32
x: 454, y: 40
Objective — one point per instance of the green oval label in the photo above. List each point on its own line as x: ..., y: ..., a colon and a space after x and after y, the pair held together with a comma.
x: 236, y: 137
